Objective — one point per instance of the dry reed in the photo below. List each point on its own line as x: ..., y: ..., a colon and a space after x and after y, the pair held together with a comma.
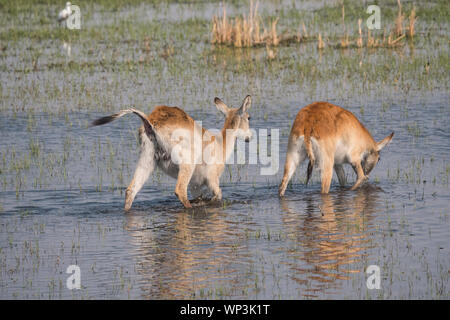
x: 359, y: 42
x: 344, y: 42
x: 320, y: 43
x: 249, y: 31
x: 412, y: 21
x: 399, y: 20
x: 270, y: 53
x: 243, y: 31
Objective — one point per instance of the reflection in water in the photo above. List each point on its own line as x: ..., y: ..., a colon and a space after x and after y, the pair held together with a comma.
x: 67, y: 48
x: 207, y: 253
x: 333, y: 235
x: 190, y: 253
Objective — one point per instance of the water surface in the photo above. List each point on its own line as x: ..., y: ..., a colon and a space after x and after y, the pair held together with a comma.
x: 62, y: 184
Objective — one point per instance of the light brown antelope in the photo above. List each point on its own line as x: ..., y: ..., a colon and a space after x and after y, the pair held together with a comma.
x: 173, y: 141
x: 330, y: 136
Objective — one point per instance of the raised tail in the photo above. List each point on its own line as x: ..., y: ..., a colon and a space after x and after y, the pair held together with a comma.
x: 310, y: 153
x: 104, y: 120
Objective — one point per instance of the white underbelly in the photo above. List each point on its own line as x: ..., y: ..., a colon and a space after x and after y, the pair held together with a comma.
x: 341, y: 153
x: 164, y: 161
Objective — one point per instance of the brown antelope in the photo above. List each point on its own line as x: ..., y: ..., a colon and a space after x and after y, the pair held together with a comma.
x: 330, y: 136
x: 173, y: 141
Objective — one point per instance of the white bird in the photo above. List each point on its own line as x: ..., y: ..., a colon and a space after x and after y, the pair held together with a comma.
x: 65, y: 13
x: 67, y: 48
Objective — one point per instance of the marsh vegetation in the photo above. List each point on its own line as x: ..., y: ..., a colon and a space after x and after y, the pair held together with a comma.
x: 62, y: 184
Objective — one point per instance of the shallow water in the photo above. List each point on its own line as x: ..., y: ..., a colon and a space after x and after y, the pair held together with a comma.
x: 62, y: 183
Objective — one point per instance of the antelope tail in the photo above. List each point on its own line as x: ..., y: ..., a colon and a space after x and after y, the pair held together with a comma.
x: 104, y: 120
x: 310, y: 153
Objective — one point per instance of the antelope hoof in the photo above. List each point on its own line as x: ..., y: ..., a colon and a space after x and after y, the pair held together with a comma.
x: 128, y: 200
x: 359, y: 182
x: 187, y: 205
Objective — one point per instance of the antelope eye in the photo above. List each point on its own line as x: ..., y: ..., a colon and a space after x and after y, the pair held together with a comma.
x: 248, y: 118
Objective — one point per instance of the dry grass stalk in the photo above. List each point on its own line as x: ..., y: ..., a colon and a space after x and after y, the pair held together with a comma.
x: 389, y: 40
x: 304, y: 30
x: 256, y: 32
x: 394, y: 42
x: 344, y: 41
x: 237, y: 33
x: 270, y: 54
x: 359, y: 42
x: 399, y: 20
x: 320, y: 43
x: 222, y: 29
x: 275, y: 39
x: 412, y: 21
x: 226, y: 27
x: 298, y: 36
x: 243, y: 32
x: 396, y: 35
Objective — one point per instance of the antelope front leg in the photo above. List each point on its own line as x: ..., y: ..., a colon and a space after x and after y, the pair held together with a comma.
x: 327, y: 175
x: 215, y: 187
x: 340, y: 174
x: 361, y: 176
x: 184, y: 176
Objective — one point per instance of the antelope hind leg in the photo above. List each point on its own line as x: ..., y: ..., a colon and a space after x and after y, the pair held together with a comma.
x: 145, y: 166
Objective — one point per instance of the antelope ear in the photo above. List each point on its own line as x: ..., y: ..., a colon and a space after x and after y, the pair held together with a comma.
x: 384, y: 142
x: 246, y: 104
x: 222, y: 107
